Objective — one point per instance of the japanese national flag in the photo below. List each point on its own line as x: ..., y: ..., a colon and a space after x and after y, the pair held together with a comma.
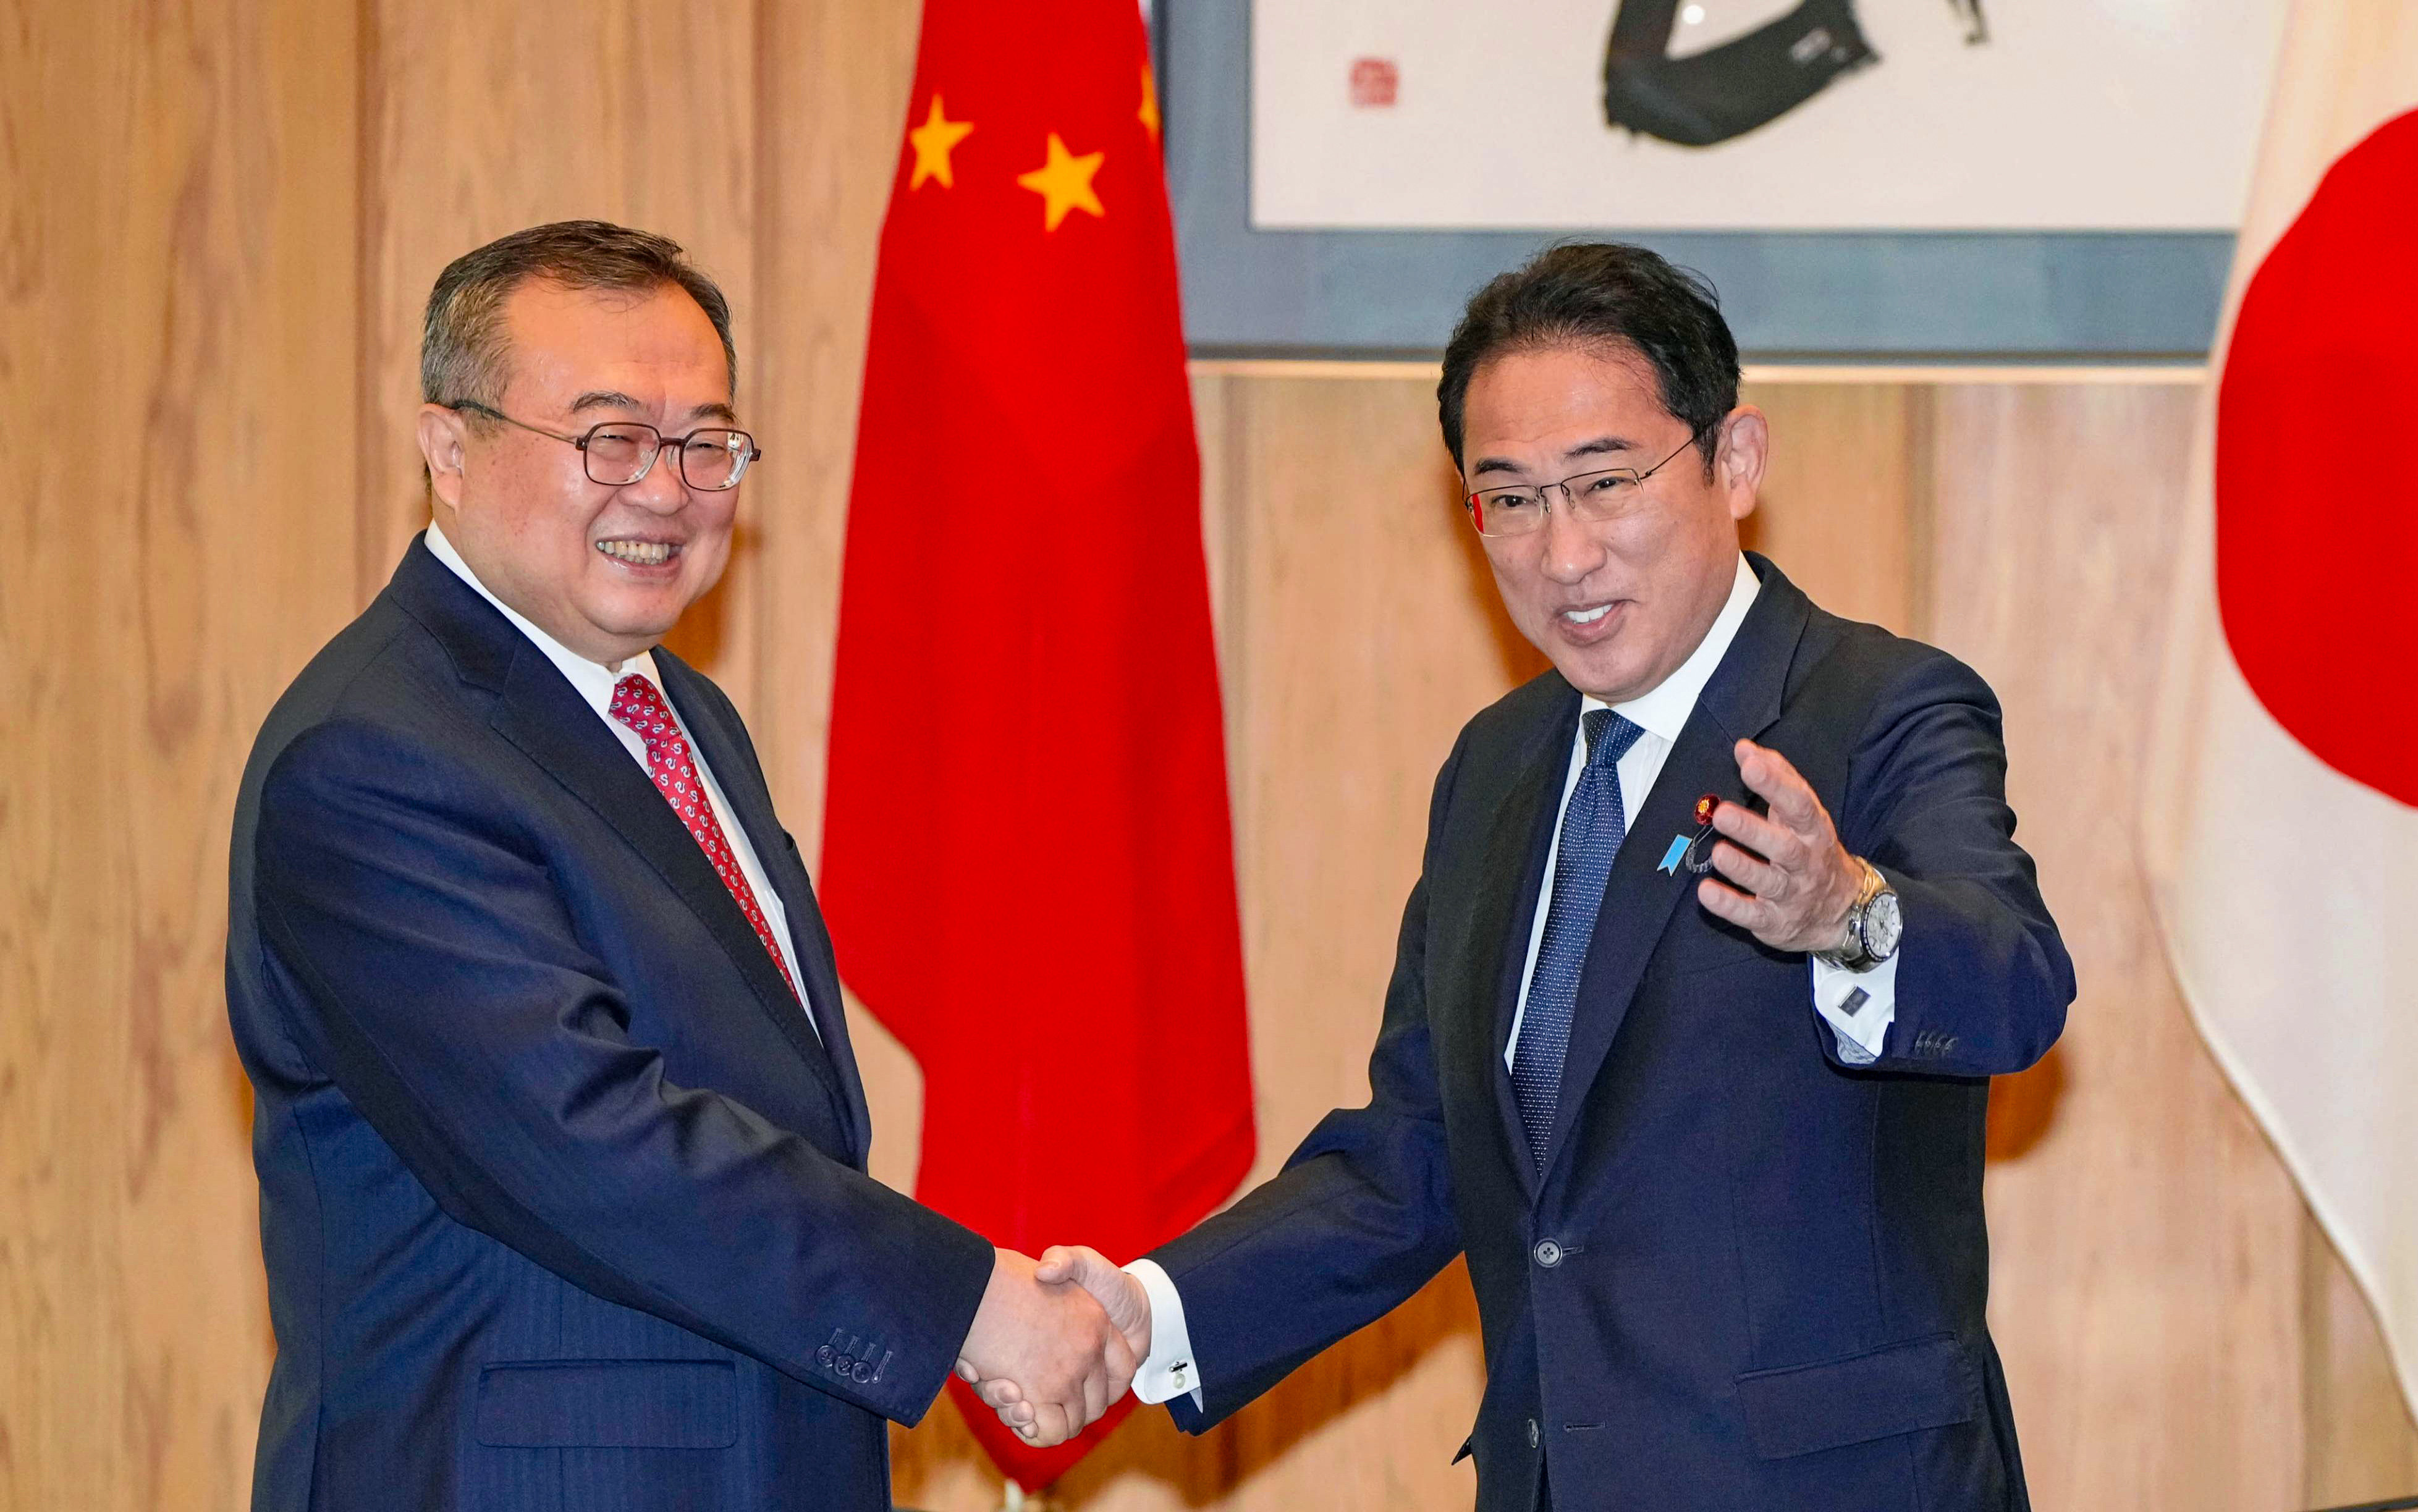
x: 2281, y: 811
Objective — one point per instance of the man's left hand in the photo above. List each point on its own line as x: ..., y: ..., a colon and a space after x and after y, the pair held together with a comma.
x: 1795, y: 880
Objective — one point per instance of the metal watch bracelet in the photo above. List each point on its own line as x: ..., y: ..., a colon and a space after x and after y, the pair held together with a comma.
x: 1855, y: 954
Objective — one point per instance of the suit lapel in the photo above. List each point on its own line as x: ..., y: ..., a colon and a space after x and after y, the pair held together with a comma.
x: 1741, y: 701
x: 539, y: 712
x: 736, y: 773
x: 1477, y: 1014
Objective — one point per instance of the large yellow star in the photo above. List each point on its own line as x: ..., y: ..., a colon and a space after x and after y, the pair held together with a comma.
x: 1148, y: 112
x: 1064, y: 183
x: 933, y: 141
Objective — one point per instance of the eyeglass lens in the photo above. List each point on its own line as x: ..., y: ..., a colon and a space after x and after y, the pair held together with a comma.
x: 709, y: 459
x: 1511, y: 511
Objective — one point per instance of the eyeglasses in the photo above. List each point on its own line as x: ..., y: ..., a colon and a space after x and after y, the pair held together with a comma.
x: 1594, y: 497
x: 619, y: 452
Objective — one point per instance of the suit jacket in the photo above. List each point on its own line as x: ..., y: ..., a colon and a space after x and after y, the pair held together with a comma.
x: 563, y: 1200
x: 1751, y: 1276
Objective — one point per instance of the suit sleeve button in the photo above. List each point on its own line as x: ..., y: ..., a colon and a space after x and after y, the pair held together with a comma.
x: 1548, y: 1253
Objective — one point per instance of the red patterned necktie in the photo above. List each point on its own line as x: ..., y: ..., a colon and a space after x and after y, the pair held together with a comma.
x: 636, y: 704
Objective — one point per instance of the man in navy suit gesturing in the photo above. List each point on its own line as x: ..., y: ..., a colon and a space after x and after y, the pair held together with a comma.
x: 562, y: 1146
x: 1721, y: 932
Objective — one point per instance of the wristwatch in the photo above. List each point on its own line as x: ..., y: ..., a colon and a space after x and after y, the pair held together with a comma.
x: 1873, y: 924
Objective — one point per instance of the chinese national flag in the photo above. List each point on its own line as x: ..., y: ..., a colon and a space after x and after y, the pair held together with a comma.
x: 1028, y: 863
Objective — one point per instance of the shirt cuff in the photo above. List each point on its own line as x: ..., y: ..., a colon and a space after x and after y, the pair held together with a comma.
x: 1171, y: 1370
x: 1860, y: 1023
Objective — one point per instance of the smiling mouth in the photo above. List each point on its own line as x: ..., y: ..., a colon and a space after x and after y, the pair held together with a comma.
x: 639, y: 553
x: 1586, y: 617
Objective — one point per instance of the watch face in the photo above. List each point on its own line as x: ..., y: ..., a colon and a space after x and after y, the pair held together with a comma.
x: 1881, y: 925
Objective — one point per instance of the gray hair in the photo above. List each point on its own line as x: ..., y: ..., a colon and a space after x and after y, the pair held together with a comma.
x: 462, y: 337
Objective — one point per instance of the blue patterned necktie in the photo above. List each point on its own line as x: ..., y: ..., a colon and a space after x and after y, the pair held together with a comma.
x: 1592, y: 828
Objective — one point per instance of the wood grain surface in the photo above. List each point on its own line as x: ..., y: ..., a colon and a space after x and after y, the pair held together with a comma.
x: 177, y: 311
x: 221, y: 222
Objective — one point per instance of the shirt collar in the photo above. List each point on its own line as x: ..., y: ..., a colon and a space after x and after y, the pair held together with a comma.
x: 1664, y: 709
x: 593, y: 680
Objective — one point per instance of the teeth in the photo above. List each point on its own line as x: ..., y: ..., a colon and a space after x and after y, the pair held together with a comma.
x: 637, y: 552
x: 1586, y: 617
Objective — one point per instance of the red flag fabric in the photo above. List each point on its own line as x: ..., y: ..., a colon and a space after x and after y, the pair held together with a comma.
x: 1027, y: 864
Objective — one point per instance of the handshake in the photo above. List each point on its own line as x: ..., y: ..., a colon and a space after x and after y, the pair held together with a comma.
x: 1056, y: 1342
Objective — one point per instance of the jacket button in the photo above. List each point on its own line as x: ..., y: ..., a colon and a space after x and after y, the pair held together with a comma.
x: 1532, y: 1433
x: 1548, y: 1253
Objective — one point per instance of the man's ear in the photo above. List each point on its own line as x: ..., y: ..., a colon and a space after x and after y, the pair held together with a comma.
x: 1745, y: 446
x: 442, y: 446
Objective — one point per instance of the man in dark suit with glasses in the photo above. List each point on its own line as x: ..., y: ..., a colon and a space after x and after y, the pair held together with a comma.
x: 561, y: 1144
x: 1721, y: 932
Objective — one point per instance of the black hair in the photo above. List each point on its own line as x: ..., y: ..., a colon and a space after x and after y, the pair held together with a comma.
x: 1602, y: 293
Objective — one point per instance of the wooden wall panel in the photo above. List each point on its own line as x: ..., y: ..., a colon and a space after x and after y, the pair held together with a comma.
x: 833, y: 86
x: 832, y: 82
x: 2361, y: 1442
x: 1369, y: 630
x: 1846, y: 502
x: 2146, y: 1220
x: 176, y: 307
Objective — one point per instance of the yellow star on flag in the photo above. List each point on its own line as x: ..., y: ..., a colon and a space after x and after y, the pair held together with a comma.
x: 1064, y: 183
x: 1148, y: 112
x: 933, y: 141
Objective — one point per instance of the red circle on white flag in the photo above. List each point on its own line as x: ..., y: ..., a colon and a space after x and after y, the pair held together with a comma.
x: 2316, y: 501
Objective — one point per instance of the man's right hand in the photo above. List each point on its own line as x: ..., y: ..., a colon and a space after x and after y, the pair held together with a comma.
x: 1119, y: 1296
x: 1051, y: 1346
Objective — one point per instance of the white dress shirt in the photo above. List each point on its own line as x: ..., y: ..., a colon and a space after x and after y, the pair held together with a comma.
x: 1660, y: 714
x: 593, y: 681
